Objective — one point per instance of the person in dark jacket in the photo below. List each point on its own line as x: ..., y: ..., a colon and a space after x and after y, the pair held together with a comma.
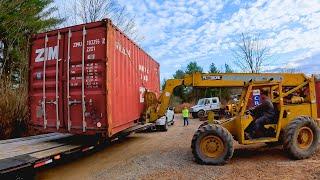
x: 264, y: 114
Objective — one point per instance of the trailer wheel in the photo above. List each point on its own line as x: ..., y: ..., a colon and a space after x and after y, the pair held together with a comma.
x: 301, y: 138
x: 212, y: 144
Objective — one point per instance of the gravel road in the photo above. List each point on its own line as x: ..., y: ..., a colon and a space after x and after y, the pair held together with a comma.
x: 167, y: 155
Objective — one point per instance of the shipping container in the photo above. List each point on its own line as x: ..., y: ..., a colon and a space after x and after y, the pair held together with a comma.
x: 88, y: 79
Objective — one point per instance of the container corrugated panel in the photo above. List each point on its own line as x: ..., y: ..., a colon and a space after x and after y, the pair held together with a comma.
x: 88, y: 79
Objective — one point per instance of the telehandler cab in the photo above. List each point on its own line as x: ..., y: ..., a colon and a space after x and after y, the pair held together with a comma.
x: 294, y: 99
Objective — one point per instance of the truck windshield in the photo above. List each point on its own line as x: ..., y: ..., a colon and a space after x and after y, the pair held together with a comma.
x: 201, y: 101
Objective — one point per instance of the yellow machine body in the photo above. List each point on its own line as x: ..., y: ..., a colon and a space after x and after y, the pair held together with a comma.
x: 284, y: 84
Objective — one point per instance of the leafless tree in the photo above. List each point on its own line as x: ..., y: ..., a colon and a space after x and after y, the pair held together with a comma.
x: 250, y: 53
x: 85, y: 11
x: 93, y: 10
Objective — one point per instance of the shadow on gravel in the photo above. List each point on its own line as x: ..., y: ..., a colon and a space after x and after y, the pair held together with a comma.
x: 256, y: 152
x: 79, y: 156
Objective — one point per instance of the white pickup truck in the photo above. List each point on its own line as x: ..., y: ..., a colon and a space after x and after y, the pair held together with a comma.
x: 204, y: 105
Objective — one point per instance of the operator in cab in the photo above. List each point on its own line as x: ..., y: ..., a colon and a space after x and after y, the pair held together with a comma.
x: 263, y: 114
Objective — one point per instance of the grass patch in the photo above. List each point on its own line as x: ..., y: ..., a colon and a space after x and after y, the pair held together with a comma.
x: 13, y: 110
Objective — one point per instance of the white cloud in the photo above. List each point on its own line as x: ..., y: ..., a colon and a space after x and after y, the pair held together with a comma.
x: 182, y: 30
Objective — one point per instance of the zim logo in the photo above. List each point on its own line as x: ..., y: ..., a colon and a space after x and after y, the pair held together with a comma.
x: 52, y: 53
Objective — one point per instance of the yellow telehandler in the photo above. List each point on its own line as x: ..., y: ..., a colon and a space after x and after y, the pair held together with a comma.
x: 293, y: 96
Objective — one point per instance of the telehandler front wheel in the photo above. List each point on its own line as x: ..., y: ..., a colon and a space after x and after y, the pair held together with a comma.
x: 203, y: 124
x: 212, y: 144
x: 301, y: 137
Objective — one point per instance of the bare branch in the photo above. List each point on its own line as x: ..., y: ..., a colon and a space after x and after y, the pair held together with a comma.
x: 250, y: 53
x: 85, y: 11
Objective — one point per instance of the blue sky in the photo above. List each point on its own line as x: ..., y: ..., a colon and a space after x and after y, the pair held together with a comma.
x: 180, y: 31
x: 177, y: 32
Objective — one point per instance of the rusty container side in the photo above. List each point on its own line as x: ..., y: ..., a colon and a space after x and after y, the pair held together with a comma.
x: 130, y: 72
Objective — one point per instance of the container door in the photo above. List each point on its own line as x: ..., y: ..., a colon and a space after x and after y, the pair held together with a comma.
x: 46, y: 82
x: 85, y: 80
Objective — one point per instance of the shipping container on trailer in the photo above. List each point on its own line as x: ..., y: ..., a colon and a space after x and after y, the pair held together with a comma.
x: 88, y: 79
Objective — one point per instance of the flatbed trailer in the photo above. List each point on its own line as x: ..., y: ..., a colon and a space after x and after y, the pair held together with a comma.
x: 28, y: 153
x: 36, y: 151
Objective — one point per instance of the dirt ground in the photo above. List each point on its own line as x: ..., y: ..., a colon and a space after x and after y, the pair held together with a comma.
x: 167, y: 155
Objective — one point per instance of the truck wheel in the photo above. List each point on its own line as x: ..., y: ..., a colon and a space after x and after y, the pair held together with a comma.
x: 201, y: 114
x: 212, y: 144
x: 194, y: 115
x: 301, y: 137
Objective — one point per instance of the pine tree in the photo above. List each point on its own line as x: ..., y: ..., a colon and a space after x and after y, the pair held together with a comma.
x: 213, y: 68
x: 20, y: 19
x: 193, y: 67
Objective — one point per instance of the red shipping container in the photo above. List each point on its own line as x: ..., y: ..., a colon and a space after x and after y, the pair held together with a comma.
x: 88, y: 79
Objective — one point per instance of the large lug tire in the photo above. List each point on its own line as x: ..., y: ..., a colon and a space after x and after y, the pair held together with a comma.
x: 194, y: 115
x: 212, y: 144
x: 203, y: 124
x: 201, y: 114
x: 301, y: 138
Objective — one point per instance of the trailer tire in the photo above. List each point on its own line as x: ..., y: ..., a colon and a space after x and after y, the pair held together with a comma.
x: 301, y: 137
x: 212, y: 144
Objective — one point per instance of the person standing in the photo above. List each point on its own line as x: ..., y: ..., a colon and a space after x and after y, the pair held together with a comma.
x: 185, y: 115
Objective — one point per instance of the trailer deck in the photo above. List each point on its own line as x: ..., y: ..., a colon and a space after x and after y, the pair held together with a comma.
x: 36, y: 151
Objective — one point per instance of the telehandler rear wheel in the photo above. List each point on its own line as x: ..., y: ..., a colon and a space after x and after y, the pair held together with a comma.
x: 301, y: 137
x: 212, y: 144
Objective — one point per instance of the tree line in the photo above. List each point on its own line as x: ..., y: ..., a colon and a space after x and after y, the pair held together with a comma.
x: 251, y: 55
x: 190, y: 94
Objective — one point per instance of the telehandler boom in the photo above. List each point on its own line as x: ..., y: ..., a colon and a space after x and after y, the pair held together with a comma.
x: 294, y: 99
